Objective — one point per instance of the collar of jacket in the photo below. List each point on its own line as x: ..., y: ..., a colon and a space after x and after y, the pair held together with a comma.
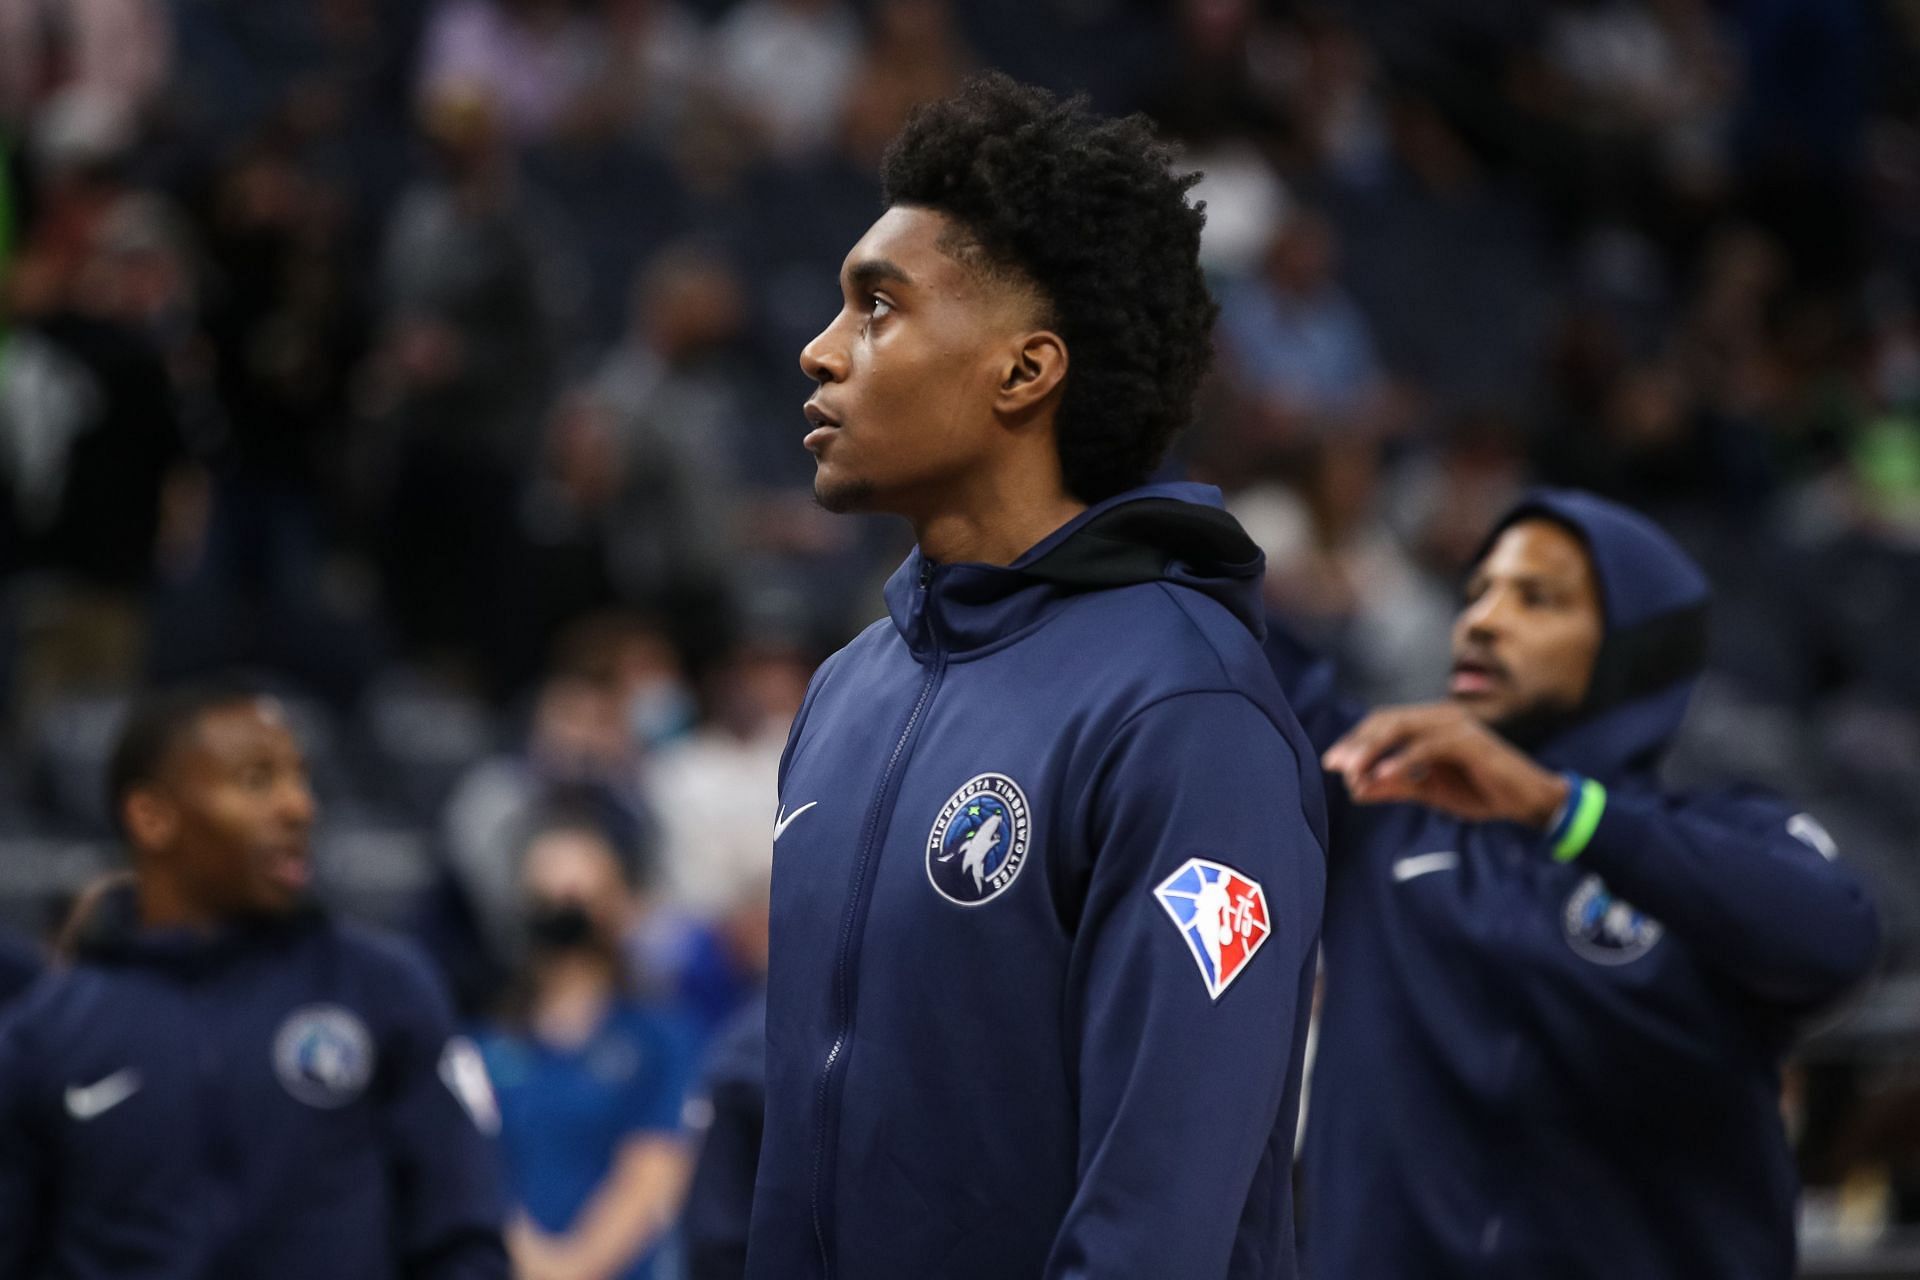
x: 1172, y: 532
x: 111, y: 934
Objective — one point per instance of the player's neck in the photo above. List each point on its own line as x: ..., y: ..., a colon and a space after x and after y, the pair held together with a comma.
x: 996, y: 522
x: 164, y: 906
x: 572, y: 994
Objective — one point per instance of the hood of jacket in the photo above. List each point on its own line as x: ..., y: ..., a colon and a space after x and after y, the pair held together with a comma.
x: 1654, y: 604
x: 1174, y: 532
x: 105, y: 929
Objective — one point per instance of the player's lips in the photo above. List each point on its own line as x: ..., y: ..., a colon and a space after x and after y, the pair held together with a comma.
x: 824, y: 423
x: 1475, y: 677
x: 290, y: 866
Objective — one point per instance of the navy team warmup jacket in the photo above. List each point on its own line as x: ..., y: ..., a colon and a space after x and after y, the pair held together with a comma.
x: 1532, y: 1069
x: 20, y: 964
x: 277, y: 1103
x: 1028, y: 1015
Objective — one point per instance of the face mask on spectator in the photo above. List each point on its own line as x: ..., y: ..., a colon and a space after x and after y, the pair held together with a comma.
x: 660, y: 711
x: 560, y: 926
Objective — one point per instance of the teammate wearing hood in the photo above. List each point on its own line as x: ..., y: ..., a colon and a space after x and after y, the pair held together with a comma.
x: 1558, y: 995
x: 1049, y: 857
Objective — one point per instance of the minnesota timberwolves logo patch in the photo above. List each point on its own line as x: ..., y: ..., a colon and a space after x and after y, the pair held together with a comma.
x: 1605, y: 930
x: 1221, y: 914
x: 979, y: 842
x: 323, y: 1055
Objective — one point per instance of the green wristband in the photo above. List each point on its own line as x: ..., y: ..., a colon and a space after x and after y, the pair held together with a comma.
x: 1587, y: 808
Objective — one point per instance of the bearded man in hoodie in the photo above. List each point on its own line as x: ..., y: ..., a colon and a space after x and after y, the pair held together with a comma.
x: 1559, y: 993
x: 1049, y: 858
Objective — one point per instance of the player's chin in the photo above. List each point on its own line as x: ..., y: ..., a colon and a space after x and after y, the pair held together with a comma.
x: 280, y: 885
x: 1487, y: 708
x: 276, y: 899
x: 840, y: 493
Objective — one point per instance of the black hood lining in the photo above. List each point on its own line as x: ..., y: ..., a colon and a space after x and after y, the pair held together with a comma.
x: 105, y: 929
x: 1648, y: 657
x: 1136, y: 541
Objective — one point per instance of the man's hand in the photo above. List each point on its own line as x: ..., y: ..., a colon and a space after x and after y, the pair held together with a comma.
x: 1439, y: 756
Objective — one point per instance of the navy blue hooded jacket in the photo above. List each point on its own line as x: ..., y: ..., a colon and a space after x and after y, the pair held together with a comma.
x: 20, y: 964
x: 1026, y: 1014
x: 279, y: 1102
x: 1528, y: 1068
x: 731, y: 1107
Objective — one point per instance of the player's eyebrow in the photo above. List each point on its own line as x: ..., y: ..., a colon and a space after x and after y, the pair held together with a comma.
x: 1481, y: 579
x: 870, y: 273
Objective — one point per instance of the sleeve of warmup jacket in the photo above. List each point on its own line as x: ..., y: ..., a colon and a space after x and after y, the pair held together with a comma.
x: 22, y: 1176
x: 1754, y: 888
x: 440, y: 1120
x: 1187, y: 984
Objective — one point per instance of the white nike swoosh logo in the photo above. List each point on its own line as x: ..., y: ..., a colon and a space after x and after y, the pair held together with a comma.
x: 103, y: 1096
x: 1422, y: 864
x: 785, y: 819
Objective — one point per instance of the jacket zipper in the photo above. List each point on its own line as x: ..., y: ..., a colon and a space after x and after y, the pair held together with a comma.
x: 844, y: 960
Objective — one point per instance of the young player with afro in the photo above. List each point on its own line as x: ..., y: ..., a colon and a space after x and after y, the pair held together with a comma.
x: 1048, y: 860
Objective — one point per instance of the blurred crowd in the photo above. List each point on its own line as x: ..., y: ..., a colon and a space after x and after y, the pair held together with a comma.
x: 438, y: 357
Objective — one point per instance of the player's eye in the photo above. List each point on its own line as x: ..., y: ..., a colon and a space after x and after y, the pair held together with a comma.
x: 878, y: 307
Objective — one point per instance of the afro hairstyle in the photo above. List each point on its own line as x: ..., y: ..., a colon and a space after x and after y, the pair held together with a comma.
x: 1088, y: 211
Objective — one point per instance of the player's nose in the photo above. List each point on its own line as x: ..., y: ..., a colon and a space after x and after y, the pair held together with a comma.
x: 824, y: 359
x: 1488, y: 617
x: 294, y: 803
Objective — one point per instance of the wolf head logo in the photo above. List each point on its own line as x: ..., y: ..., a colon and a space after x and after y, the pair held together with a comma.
x: 974, y: 851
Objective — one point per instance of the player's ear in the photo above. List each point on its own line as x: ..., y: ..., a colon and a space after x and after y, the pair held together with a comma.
x: 149, y: 818
x: 1035, y: 368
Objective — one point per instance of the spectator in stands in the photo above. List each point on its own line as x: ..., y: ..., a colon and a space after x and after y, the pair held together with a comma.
x: 112, y: 57
x: 662, y: 460
x: 711, y: 788
x: 101, y: 489
x: 539, y: 59
x: 285, y: 330
x: 704, y: 943
x: 657, y: 63
x: 1303, y: 348
x: 590, y: 1080
x: 1343, y: 575
x: 464, y: 362
x: 579, y: 747
x: 790, y: 64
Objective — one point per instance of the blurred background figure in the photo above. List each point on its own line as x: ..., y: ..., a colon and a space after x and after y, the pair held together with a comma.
x: 20, y: 964
x: 590, y: 1080
x: 467, y: 355
x: 790, y: 65
x: 1299, y: 344
x: 580, y: 747
x: 726, y: 1114
x: 657, y: 455
x: 353, y: 1133
x: 716, y: 851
